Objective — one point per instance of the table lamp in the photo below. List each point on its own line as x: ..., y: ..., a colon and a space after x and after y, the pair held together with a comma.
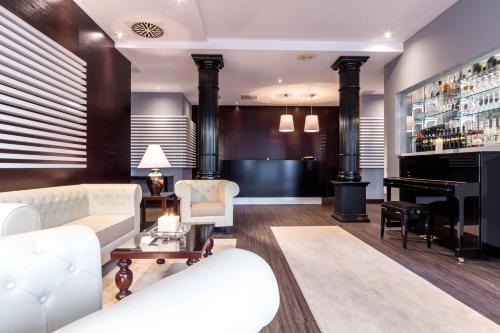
x: 154, y: 158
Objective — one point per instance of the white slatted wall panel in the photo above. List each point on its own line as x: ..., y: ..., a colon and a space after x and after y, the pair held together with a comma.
x: 371, y: 142
x: 43, y: 112
x: 175, y: 134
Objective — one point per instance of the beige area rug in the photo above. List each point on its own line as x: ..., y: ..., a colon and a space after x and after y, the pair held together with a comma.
x: 148, y: 271
x: 351, y: 287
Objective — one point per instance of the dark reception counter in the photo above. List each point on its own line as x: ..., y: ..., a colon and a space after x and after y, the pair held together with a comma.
x: 277, y: 178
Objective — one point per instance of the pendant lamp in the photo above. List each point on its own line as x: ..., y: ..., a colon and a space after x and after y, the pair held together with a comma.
x: 286, y: 120
x: 312, y: 122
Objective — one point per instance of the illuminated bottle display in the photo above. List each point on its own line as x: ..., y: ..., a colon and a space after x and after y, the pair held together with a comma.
x: 460, y: 108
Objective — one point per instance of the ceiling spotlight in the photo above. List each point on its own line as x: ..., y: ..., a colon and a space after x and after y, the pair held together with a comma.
x: 388, y: 35
x: 306, y: 56
x: 181, y: 1
x: 157, y: 87
x: 119, y: 35
x: 279, y: 80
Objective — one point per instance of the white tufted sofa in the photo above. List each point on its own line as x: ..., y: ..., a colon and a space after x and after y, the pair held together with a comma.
x: 111, y: 210
x: 52, y: 278
x: 207, y: 201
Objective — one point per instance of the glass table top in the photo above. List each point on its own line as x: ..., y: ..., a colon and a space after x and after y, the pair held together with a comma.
x: 195, y: 240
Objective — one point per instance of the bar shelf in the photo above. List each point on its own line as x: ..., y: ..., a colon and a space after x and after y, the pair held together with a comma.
x: 461, y: 103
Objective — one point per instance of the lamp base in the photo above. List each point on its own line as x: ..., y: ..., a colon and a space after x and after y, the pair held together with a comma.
x: 155, y: 181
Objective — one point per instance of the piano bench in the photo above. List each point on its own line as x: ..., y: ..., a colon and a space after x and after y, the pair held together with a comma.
x: 406, y: 213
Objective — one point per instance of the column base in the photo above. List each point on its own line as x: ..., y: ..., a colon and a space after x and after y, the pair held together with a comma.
x: 350, y: 202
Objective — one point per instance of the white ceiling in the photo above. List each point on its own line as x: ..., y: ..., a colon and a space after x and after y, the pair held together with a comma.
x: 260, y: 41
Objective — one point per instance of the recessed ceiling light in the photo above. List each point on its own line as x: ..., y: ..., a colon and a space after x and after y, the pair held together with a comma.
x: 306, y: 56
x: 119, y: 35
x: 388, y: 35
x: 157, y: 87
x: 279, y: 80
x: 181, y: 1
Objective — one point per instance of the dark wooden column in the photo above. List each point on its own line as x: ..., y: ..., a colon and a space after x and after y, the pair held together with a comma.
x: 208, y: 88
x: 350, y: 192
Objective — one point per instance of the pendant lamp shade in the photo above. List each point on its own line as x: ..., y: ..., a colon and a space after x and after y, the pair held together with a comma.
x: 286, y: 123
x: 312, y: 123
x: 154, y: 158
x: 286, y: 120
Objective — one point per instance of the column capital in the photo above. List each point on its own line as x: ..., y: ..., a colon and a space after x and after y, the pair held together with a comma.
x: 349, y: 62
x: 208, y: 61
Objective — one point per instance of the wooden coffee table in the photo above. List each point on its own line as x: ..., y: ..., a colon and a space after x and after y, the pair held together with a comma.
x: 195, y: 245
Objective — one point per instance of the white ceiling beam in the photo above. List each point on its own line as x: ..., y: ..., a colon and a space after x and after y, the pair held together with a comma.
x: 266, y: 45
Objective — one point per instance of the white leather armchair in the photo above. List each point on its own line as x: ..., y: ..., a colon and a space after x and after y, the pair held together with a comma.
x: 48, y: 279
x: 207, y: 201
x: 52, y: 278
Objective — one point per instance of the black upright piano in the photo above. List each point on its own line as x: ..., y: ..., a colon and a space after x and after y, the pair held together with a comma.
x: 461, y: 189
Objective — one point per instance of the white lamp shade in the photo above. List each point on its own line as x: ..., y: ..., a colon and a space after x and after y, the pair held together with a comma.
x: 154, y: 158
x: 312, y: 123
x: 286, y: 123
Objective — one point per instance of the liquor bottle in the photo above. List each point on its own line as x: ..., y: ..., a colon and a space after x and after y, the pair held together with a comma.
x: 493, y: 131
x: 463, y: 138
x: 457, y: 138
x: 486, y: 133
x: 446, y: 139
x: 452, y: 139
x: 440, y: 88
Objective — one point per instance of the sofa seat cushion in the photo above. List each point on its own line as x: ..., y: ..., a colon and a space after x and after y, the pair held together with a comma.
x: 108, y: 228
x: 207, y: 208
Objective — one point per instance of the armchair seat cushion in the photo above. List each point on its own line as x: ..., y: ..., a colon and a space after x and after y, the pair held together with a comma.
x: 107, y: 227
x: 207, y: 208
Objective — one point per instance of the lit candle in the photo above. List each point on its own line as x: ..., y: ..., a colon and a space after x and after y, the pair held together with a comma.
x: 168, y: 223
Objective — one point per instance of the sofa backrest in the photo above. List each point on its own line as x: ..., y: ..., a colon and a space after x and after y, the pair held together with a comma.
x: 204, y: 190
x: 56, y: 205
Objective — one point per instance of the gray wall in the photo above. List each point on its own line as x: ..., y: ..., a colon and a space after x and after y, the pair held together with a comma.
x: 464, y: 31
x: 161, y: 104
x: 373, y: 106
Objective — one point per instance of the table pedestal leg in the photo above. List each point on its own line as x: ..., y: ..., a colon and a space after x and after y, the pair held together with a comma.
x: 123, y: 278
x: 208, y: 251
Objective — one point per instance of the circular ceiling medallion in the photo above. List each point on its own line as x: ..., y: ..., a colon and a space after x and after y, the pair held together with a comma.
x: 147, y: 30
x: 298, y: 94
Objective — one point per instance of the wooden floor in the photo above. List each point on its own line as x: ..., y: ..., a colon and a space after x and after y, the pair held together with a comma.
x: 475, y: 282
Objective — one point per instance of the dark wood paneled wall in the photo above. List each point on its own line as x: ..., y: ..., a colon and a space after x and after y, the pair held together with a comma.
x: 251, y: 132
x: 108, y: 96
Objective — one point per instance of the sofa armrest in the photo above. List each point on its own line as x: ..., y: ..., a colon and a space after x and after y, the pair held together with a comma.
x: 183, y: 192
x: 49, y: 278
x: 17, y: 218
x: 227, y: 191
x: 237, y: 284
x: 115, y: 199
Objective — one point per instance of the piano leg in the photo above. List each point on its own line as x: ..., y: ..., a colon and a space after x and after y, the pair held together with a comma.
x: 404, y: 230
x: 382, y: 222
x: 461, y: 252
x: 430, y: 228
